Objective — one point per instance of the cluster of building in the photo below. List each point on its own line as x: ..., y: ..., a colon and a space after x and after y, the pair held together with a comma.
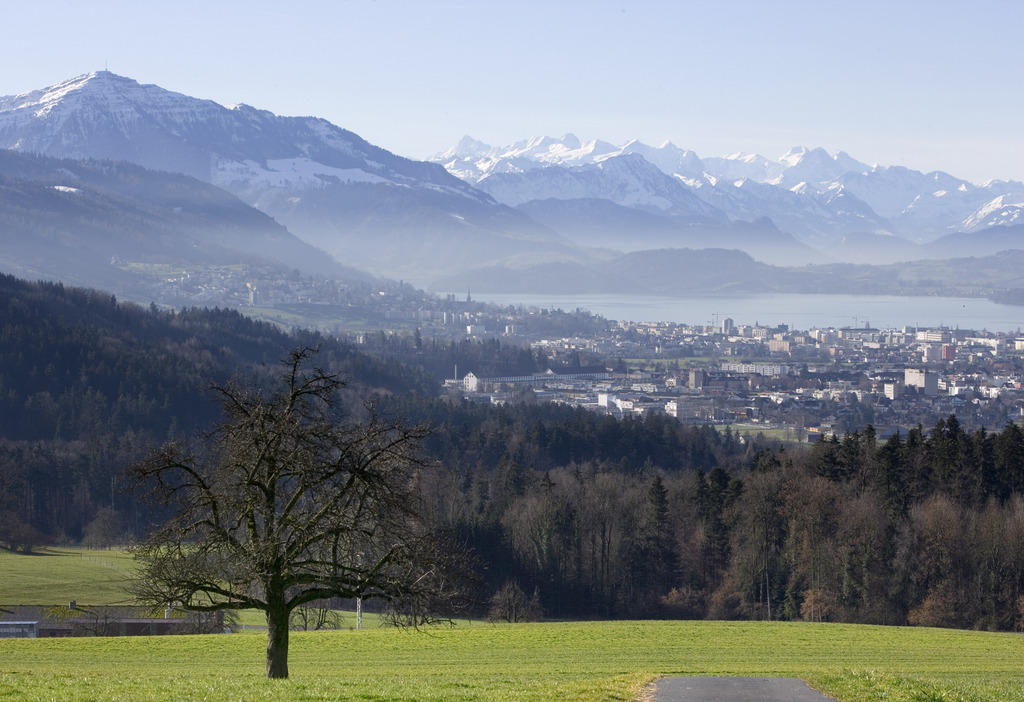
x: 806, y: 382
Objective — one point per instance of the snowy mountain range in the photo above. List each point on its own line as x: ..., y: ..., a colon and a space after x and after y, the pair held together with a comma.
x: 816, y: 195
x: 361, y: 203
x: 542, y: 200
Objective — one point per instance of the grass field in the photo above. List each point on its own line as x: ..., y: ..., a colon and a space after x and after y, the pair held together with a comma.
x: 57, y: 575
x: 548, y: 661
x: 480, y: 661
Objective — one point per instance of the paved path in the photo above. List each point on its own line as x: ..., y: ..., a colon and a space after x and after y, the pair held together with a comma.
x: 735, y: 690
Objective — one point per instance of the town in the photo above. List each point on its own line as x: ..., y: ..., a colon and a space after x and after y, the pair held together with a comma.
x: 786, y: 383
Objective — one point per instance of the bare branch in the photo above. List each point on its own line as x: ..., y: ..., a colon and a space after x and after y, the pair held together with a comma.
x: 287, y: 506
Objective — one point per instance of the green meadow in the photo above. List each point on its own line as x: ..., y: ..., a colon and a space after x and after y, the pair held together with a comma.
x: 478, y: 660
x: 545, y: 661
x: 55, y: 576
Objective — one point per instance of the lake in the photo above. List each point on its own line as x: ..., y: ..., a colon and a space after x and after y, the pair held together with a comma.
x: 798, y: 311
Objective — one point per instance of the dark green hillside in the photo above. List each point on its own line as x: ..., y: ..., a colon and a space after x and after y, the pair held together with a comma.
x: 88, y: 384
x: 75, y: 363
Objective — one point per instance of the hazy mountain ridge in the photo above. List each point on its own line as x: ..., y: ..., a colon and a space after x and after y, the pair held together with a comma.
x: 72, y: 220
x: 710, y: 272
x: 605, y: 224
x: 357, y: 201
x: 542, y: 200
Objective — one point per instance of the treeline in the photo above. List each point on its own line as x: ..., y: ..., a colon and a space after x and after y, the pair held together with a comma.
x: 926, y: 528
x: 467, y: 437
x: 443, y: 358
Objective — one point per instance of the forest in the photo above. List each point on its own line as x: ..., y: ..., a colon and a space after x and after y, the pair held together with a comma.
x: 565, y: 512
x: 925, y: 529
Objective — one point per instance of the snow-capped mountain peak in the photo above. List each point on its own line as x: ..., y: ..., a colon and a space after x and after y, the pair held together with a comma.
x: 999, y: 211
x: 468, y: 147
x: 99, y: 82
x: 794, y: 156
x: 104, y: 115
x: 120, y: 104
x: 570, y: 141
x: 817, y: 167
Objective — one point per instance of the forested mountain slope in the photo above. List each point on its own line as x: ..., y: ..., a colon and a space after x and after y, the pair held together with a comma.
x: 87, y: 385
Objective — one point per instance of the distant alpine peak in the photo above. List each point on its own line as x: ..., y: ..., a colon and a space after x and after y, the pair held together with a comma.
x: 794, y: 155
x: 244, y: 149
x: 46, y: 98
x: 570, y: 141
x: 801, y: 155
x: 99, y: 93
x: 1004, y: 210
x: 798, y: 154
x: 467, y: 148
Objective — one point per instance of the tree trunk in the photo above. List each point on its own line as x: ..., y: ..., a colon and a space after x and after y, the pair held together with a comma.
x: 277, y: 640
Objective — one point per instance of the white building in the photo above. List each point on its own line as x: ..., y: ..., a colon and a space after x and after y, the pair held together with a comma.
x: 922, y: 379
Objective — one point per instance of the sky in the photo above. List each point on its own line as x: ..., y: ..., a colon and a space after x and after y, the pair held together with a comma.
x: 931, y: 85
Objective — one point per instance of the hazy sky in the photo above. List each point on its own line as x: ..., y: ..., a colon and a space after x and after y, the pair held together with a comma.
x: 931, y: 85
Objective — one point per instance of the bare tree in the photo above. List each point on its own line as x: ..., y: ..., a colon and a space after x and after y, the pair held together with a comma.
x: 511, y: 604
x: 287, y: 505
x: 315, y: 616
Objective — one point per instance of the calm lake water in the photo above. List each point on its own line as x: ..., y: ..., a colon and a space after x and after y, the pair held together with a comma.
x: 798, y: 311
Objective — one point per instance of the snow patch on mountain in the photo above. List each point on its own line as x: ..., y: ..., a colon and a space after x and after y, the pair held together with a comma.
x: 999, y: 211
